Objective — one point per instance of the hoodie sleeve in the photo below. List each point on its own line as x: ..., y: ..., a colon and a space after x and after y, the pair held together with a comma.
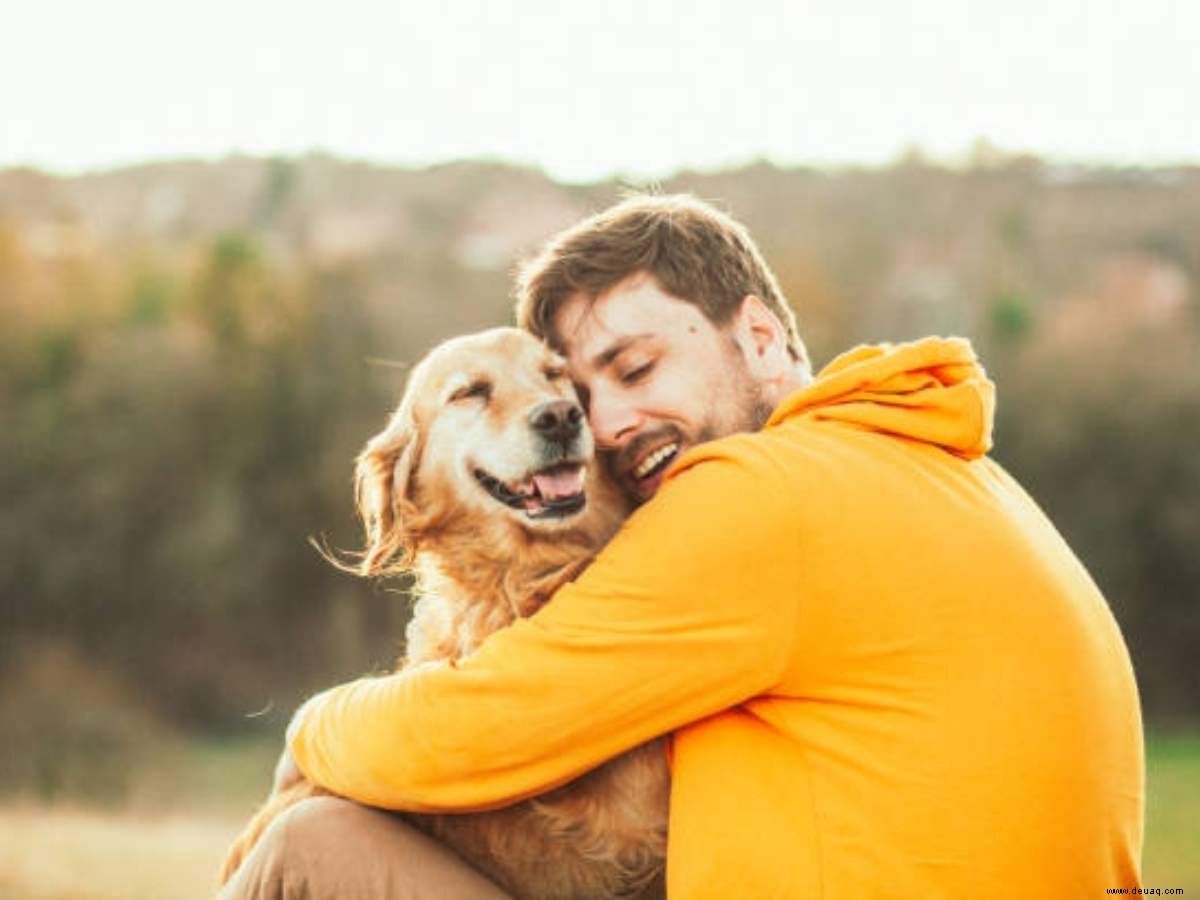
x: 690, y: 610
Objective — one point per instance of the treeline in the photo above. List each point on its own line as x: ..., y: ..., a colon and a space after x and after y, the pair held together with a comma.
x: 193, y: 353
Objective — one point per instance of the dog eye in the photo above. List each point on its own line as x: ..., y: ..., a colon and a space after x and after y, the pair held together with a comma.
x: 480, y: 389
x: 555, y: 372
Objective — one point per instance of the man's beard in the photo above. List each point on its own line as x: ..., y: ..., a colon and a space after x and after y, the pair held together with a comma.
x: 753, y: 404
x: 750, y: 409
x: 748, y: 413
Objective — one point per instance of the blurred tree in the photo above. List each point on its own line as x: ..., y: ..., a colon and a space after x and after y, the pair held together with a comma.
x: 149, y: 298
x: 228, y: 287
x: 278, y: 186
x: 1011, y: 316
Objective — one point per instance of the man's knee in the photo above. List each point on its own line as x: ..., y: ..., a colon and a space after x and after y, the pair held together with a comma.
x: 289, y: 851
x: 327, y: 847
x: 312, y: 828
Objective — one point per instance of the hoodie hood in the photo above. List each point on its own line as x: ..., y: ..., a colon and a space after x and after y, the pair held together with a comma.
x: 933, y: 390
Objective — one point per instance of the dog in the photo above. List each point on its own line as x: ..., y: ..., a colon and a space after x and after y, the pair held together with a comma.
x: 484, y: 485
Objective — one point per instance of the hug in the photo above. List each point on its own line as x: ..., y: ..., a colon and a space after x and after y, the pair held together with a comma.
x: 693, y: 619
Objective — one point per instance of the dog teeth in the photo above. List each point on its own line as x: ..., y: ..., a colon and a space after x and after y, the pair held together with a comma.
x: 651, y: 462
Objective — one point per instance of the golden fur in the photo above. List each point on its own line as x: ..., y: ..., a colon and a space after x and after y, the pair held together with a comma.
x: 482, y: 563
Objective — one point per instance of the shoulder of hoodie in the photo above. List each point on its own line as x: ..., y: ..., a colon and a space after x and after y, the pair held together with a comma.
x: 793, y: 451
x: 729, y: 493
x: 796, y: 466
x: 767, y: 467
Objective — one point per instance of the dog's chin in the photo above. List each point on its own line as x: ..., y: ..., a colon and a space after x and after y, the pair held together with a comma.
x: 545, y: 498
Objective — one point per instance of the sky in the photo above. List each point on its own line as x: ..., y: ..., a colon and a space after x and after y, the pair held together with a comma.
x: 638, y: 88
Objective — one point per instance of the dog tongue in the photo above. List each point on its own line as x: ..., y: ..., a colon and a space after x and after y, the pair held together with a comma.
x: 565, y: 482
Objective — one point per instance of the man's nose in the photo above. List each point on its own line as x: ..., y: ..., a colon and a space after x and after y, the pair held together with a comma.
x: 557, y: 420
x: 613, y: 423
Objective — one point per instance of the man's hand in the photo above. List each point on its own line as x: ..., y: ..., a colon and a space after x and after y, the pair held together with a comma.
x: 287, y: 772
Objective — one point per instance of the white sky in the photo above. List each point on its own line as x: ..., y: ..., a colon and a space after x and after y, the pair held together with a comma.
x: 640, y: 87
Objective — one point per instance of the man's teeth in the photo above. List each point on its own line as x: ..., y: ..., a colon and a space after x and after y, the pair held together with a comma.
x: 651, y: 462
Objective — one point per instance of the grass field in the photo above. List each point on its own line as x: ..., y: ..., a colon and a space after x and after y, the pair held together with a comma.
x: 61, y: 852
x: 1172, y: 856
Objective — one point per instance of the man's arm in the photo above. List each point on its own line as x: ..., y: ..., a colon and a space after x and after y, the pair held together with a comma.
x: 689, y: 611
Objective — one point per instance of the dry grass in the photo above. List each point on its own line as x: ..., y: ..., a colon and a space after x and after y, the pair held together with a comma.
x: 64, y: 854
x: 176, y: 823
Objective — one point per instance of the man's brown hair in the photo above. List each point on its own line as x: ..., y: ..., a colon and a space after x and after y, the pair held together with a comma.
x: 695, y: 252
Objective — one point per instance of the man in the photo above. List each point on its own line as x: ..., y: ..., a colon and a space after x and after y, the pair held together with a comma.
x: 885, y: 673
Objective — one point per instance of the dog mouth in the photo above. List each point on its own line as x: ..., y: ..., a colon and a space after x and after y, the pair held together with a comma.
x: 555, y: 492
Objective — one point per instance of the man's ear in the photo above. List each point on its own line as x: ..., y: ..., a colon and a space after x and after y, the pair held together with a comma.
x: 762, y: 340
x: 384, y: 482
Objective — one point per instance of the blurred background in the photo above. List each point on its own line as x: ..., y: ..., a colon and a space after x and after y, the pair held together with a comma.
x: 225, y: 234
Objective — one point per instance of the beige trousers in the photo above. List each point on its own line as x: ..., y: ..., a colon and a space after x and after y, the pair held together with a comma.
x: 326, y: 847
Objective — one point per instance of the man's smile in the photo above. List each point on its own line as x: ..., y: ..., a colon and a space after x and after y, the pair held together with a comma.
x: 641, y: 464
x: 655, y: 460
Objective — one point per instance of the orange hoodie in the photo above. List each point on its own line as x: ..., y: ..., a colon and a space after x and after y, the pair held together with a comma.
x: 887, y: 674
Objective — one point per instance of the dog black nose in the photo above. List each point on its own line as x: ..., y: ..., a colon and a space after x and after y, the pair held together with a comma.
x: 557, y: 420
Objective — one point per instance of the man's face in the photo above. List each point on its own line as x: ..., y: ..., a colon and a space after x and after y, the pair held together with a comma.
x: 656, y: 376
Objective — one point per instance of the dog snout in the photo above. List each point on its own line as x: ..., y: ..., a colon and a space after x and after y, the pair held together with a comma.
x: 557, y: 420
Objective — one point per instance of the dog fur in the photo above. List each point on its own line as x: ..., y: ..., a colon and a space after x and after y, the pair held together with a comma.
x: 444, y: 491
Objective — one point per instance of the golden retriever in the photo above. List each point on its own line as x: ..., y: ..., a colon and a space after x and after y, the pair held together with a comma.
x: 483, y: 484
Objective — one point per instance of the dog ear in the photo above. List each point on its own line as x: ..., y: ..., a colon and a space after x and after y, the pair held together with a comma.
x: 384, y: 481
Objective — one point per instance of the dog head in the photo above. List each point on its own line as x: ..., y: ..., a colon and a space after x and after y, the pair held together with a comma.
x: 489, y: 429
